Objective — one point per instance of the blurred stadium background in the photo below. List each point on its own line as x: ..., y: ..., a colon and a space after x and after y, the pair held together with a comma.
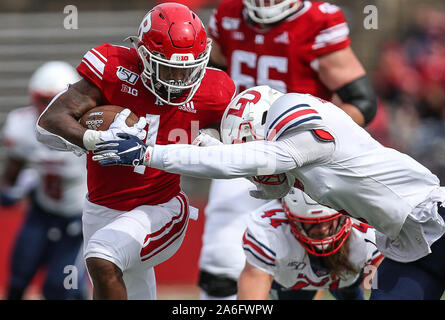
x: 405, y: 57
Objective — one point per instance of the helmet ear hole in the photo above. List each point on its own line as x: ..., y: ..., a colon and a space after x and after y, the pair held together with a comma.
x: 263, y: 120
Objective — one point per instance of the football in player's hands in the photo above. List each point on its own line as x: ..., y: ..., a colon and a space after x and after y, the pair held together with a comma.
x: 101, y: 117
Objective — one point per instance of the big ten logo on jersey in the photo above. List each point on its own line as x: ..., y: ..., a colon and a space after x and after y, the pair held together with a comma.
x: 129, y: 90
x: 127, y: 75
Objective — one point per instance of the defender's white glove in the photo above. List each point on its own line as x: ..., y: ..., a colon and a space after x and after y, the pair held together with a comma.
x: 92, y: 137
x: 206, y: 138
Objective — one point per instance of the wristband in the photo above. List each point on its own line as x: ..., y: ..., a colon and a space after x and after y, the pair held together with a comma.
x: 91, y: 138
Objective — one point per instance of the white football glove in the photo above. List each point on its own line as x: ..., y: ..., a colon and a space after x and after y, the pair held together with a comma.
x: 119, y: 126
x: 207, y: 137
x: 91, y: 137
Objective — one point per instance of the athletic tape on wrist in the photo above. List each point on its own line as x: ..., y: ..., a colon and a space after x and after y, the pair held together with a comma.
x: 90, y: 139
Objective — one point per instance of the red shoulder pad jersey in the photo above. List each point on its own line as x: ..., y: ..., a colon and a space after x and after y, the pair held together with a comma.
x: 115, y: 71
x: 283, y: 56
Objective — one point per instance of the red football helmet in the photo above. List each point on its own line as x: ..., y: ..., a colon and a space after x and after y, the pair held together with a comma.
x: 300, y: 208
x: 173, y: 46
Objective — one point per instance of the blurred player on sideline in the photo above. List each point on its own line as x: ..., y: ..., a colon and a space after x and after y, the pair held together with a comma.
x: 305, y: 247
x: 55, y: 182
x: 315, y: 146
x: 292, y: 46
x: 135, y: 219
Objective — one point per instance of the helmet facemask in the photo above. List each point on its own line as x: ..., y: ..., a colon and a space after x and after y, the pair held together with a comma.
x: 270, y: 11
x: 171, y: 79
x: 319, y: 247
x: 250, y: 129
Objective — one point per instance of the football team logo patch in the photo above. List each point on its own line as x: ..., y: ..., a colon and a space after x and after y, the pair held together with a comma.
x: 127, y: 75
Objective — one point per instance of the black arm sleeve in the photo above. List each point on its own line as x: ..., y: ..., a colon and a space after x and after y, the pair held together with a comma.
x: 360, y: 94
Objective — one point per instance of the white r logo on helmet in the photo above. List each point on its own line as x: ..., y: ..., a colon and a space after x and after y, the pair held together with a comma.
x: 145, y: 25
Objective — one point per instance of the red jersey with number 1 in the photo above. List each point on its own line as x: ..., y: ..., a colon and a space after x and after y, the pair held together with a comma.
x: 115, y: 70
x: 283, y: 56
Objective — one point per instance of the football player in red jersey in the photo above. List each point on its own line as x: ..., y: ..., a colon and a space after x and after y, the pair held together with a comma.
x: 292, y: 46
x: 136, y: 219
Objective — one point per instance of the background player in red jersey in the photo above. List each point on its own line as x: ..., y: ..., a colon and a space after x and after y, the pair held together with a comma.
x: 134, y: 220
x: 292, y: 46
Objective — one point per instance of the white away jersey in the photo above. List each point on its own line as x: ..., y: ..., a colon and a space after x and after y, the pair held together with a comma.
x: 358, y: 177
x: 270, y: 246
x: 387, y: 185
x: 62, y: 175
